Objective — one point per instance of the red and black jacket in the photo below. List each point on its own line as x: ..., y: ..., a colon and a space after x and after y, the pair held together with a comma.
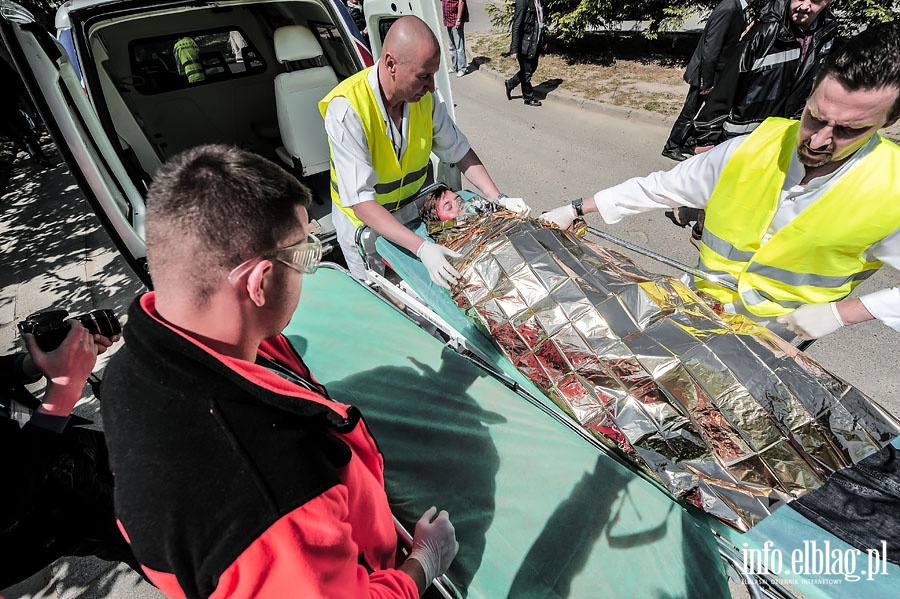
x: 234, y: 482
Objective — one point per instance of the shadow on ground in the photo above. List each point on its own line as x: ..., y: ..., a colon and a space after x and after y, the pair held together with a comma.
x: 49, y: 235
x: 542, y: 89
x: 605, y: 48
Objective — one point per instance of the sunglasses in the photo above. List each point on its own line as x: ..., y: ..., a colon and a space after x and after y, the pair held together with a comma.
x: 304, y: 257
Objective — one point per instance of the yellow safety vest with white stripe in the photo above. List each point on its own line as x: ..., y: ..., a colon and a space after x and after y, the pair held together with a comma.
x: 399, y: 180
x: 187, y: 53
x: 816, y: 258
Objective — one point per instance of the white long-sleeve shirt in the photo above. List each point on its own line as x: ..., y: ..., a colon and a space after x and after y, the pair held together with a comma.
x: 691, y: 183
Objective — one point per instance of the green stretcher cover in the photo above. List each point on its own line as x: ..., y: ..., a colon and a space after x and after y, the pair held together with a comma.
x: 538, y: 511
x: 784, y: 535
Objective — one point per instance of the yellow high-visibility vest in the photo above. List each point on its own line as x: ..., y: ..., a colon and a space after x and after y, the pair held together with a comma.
x: 187, y: 53
x: 399, y: 180
x: 816, y: 258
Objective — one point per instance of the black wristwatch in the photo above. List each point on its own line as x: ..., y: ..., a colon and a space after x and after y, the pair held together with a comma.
x: 578, y: 205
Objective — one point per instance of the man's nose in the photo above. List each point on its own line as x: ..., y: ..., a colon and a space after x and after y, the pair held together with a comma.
x: 822, y: 138
x: 429, y: 85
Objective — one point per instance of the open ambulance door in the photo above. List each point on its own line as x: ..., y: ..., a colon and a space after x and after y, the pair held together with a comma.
x: 77, y: 131
x: 380, y: 15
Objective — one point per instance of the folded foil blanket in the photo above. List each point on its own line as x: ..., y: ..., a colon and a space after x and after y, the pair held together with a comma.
x: 725, y: 414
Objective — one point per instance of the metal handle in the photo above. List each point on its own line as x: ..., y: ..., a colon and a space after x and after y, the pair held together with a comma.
x: 659, y: 257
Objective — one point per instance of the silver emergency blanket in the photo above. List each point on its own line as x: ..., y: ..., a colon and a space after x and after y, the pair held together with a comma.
x: 722, y: 412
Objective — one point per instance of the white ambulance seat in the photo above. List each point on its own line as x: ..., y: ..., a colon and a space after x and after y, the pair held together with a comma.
x: 297, y: 95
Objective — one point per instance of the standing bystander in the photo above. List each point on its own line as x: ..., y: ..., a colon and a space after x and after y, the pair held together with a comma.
x: 355, y: 8
x: 456, y: 15
x: 525, y: 46
x: 772, y: 72
x: 720, y: 36
x: 13, y: 124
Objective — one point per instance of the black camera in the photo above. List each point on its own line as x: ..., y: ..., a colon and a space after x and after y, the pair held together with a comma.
x: 50, y: 327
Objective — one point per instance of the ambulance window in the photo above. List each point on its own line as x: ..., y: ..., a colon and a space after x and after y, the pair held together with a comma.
x: 383, y: 26
x: 334, y: 47
x: 167, y: 63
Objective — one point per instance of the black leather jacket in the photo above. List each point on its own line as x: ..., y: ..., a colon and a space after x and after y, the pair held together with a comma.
x: 765, y: 76
x: 526, y: 30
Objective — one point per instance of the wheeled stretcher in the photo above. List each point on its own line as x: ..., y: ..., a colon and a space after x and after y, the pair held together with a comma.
x: 540, y: 509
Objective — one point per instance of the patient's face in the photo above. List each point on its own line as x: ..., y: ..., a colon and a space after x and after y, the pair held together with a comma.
x: 449, y: 205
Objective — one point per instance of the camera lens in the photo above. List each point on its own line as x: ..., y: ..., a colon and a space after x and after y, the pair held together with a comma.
x: 101, y: 322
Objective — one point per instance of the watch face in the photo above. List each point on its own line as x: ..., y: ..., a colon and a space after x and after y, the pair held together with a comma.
x: 577, y: 204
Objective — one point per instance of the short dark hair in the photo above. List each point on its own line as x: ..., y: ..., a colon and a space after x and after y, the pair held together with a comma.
x: 868, y: 60
x: 214, y: 206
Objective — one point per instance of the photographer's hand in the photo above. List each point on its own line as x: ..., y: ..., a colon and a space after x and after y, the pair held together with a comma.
x: 66, y: 368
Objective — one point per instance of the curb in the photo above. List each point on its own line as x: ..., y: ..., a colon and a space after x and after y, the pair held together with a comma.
x: 645, y: 116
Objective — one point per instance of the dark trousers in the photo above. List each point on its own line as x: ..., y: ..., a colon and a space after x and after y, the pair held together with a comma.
x: 860, y: 504
x: 57, y: 501
x: 681, y: 137
x: 527, y: 67
x: 16, y: 128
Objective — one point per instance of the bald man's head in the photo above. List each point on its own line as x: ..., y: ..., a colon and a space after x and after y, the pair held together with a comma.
x: 410, y: 38
x: 410, y: 58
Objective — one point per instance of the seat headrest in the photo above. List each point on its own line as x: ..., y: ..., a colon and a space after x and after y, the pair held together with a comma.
x: 295, y: 42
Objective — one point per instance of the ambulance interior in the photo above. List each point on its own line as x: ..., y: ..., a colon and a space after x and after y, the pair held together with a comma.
x: 265, y: 66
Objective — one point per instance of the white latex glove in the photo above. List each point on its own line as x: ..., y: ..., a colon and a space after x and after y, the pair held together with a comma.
x: 516, y: 205
x: 562, y: 217
x: 434, y: 543
x: 812, y: 321
x: 434, y: 257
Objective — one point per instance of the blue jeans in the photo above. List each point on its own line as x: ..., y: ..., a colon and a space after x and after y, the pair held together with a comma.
x: 458, y: 48
x: 860, y: 504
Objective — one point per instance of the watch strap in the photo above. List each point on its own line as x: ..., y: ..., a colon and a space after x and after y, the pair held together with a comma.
x: 578, y: 205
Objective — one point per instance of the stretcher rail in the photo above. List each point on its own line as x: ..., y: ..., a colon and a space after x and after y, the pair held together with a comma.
x: 659, y: 257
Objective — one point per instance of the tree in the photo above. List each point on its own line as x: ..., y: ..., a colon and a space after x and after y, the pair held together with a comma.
x: 571, y: 19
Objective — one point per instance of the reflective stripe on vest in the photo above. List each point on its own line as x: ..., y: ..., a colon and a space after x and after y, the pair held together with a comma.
x: 398, y: 180
x: 817, y: 257
x: 188, y: 55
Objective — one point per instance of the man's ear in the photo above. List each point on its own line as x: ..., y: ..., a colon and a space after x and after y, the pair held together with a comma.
x: 390, y: 62
x: 258, y: 280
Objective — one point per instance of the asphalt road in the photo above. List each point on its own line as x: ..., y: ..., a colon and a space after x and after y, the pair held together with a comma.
x: 560, y: 151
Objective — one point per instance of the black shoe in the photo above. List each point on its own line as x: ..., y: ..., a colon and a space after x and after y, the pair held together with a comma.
x: 532, y: 102
x: 674, y: 155
x: 509, y: 89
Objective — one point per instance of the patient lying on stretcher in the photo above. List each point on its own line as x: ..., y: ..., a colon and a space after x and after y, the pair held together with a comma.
x: 443, y: 207
x: 722, y: 412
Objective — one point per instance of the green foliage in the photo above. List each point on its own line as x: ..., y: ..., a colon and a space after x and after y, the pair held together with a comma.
x: 855, y: 14
x: 569, y: 20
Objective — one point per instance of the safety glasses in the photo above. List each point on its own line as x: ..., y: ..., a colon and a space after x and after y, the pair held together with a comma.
x: 304, y: 257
